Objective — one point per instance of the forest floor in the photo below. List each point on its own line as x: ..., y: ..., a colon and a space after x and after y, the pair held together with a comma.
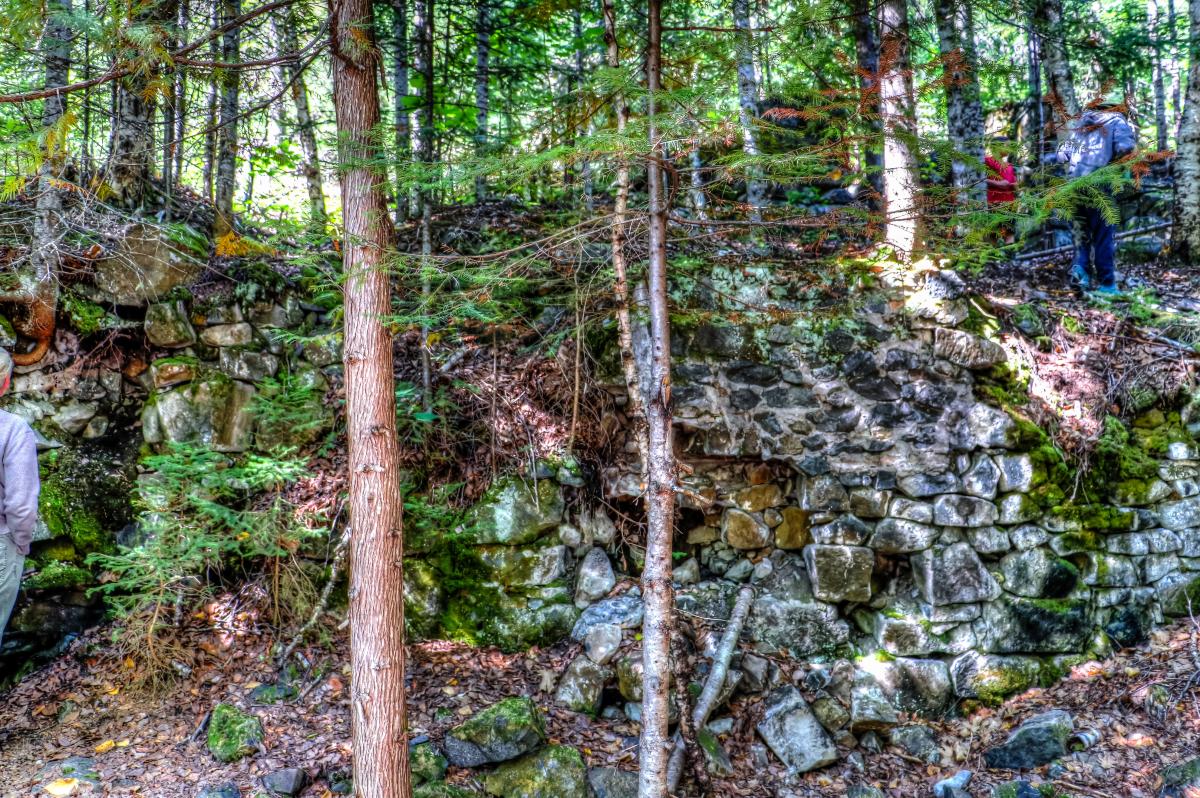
x: 1143, y: 702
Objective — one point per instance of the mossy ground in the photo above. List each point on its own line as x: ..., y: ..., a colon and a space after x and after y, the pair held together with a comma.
x: 233, y: 734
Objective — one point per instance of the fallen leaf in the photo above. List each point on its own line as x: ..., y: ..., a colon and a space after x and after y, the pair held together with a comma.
x: 62, y: 787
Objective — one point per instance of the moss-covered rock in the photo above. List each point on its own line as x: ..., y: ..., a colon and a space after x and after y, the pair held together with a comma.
x: 556, y: 771
x: 426, y: 764
x: 58, y: 575
x: 442, y: 790
x: 510, y: 621
x: 1180, y: 781
x: 85, y: 495
x: 424, y: 600
x: 516, y: 511
x: 503, y: 731
x: 233, y: 734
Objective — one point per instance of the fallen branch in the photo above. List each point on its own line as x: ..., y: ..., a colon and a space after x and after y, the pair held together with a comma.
x: 716, y: 680
x: 339, y: 558
x: 1060, y: 250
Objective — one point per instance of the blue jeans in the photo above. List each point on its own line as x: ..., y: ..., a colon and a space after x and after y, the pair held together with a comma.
x: 1094, y: 235
x: 12, y: 563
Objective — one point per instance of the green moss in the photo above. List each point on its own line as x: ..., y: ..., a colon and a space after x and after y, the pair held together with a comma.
x: 994, y: 685
x: 1081, y: 540
x: 58, y: 550
x: 1186, y: 774
x: 86, y: 317
x: 233, y: 734
x: 556, y: 771
x: 59, y: 576
x: 66, y: 515
x: 426, y: 764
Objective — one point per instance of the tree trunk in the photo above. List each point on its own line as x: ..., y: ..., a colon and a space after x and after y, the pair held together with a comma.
x: 1174, y: 70
x: 128, y: 172
x: 210, y: 117
x: 180, y: 93
x: 1059, y: 84
x: 585, y: 167
x: 1160, y: 88
x: 423, y: 23
x: 171, y: 10
x: 483, y: 46
x: 1035, y: 121
x: 964, y: 113
x: 756, y: 188
x: 378, y: 719
x: 305, y: 126
x: 1185, y: 239
x: 901, y: 182
x: 866, y: 51
x: 227, y: 130
x: 402, y: 138
x: 657, y: 592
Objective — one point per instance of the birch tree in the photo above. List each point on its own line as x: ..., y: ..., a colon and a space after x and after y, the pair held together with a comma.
x: 225, y: 179
x: 964, y: 112
x: 1060, y: 85
x: 897, y: 108
x: 1185, y: 238
x: 747, y: 81
x: 378, y: 712
x: 285, y: 24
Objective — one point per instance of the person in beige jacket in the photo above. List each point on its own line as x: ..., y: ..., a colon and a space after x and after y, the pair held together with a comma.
x: 19, y: 488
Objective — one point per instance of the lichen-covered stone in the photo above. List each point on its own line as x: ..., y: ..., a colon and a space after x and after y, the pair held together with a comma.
x: 215, y: 410
x: 167, y: 325
x: 239, y: 334
x: 1035, y: 626
x: 1180, y: 514
x: 1038, y: 573
x: 840, y: 573
x: 609, y: 782
x: 957, y: 510
x: 503, y: 731
x: 233, y: 734
x: 1037, y: 741
x: 982, y: 479
x: 845, y: 530
x: 1017, y: 508
x: 965, y: 349
x: 741, y: 530
x: 992, y: 678
x: 796, y: 627
x: 624, y: 611
x: 582, y: 684
x: 793, y: 733
x: 794, y: 531
x: 595, y: 577
x: 525, y: 566
x: 919, y: 486
x: 1017, y: 473
x: 515, y: 511
x: 556, y: 771
x: 920, y: 686
x: 248, y: 365
x: 952, y: 575
x: 899, y: 536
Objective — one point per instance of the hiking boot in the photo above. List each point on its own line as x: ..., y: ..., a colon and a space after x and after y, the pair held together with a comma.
x: 1108, y: 290
x: 1080, y: 278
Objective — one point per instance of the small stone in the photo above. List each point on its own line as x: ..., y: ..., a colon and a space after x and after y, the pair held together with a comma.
x: 840, y: 573
x: 953, y: 787
x: 757, y: 498
x: 624, y: 611
x: 898, y: 536
x: 909, y: 510
x: 823, y: 494
x: 602, y: 642
x: 1028, y: 537
x: 167, y: 325
x: 829, y: 712
x: 982, y: 479
x: 869, y: 503
x: 228, y: 335
x: 226, y: 789
x: 289, y: 781
x: 952, y: 575
x: 169, y: 371
x: 793, y: 733
x: 426, y: 763
x: 703, y: 535
x: 742, y: 530
x: 503, y: 731
x: 687, y: 572
x: 919, y: 486
x: 595, y: 578
x: 582, y: 685
x: 248, y: 365
x: 990, y: 677
x: 794, y: 532
x: 1037, y: 741
x: 1179, y: 515
x: 845, y: 531
x: 869, y: 706
x: 1016, y: 789
x: 1017, y: 473
x: 968, y: 511
x: 1038, y: 573
x: 966, y: 349
x: 917, y: 741
x: 609, y: 782
x: 988, y: 540
x: 1017, y: 508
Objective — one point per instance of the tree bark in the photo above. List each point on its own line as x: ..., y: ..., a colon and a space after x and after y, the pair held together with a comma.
x: 227, y: 129
x: 1160, y: 88
x: 423, y: 23
x: 130, y: 154
x: 964, y: 112
x: 1035, y: 121
x: 306, y: 128
x: 181, y: 22
x: 1059, y: 83
x: 1185, y: 238
x: 403, y: 133
x: 378, y: 717
x: 210, y: 117
x: 657, y: 592
x: 585, y: 167
x: 756, y: 188
x: 866, y: 52
x: 483, y: 46
x: 170, y: 10
x: 901, y: 181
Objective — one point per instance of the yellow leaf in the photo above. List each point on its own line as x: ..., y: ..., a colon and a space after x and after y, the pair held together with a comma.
x: 61, y: 787
x: 113, y: 690
x: 123, y: 744
x: 106, y: 746
x: 129, y: 663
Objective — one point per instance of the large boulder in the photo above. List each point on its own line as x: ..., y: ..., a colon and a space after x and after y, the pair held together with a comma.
x: 214, y: 410
x: 516, y: 511
x: 1012, y: 625
x: 1037, y: 741
x: 503, y: 731
x: 952, y: 575
x: 793, y: 733
x: 146, y: 265
x: 556, y: 771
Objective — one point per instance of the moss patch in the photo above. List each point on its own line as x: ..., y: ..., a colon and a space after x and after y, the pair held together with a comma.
x: 556, y: 771
x: 59, y: 575
x: 233, y: 734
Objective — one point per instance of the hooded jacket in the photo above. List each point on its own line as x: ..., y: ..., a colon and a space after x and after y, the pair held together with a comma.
x: 1097, y: 138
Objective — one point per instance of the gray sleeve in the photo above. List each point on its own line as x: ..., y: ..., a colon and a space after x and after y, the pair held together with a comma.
x: 21, y: 486
x: 1123, y: 140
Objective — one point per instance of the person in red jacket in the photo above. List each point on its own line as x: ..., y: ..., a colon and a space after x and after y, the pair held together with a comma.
x: 1001, y: 184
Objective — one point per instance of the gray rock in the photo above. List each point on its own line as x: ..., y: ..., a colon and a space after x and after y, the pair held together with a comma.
x: 840, y: 573
x: 1038, y: 573
x: 741, y: 530
x: 1013, y: 625
x: 823, y: 494
x: 990, y: 677
x: 917, y: 686
x: 687, y: 572
x: 228, y: 789
x: 596, y: 526
x: 917, y: 741
x: 529, y: 566
x: 1179, y: 515
x: 869, y: 706
x: 846, y: 530
x: 213, y: 411
x: 323, y: 350
x: 556, y: 771
x: 988, y: 540
x: 582, y: 684
x: 426, y: 763
x: 918, y: 486
x: 1017, y: 508
x: 248, y: 365
x: 602, y: 641
x: 288, y: 781
x: 516, y: 511
x: 1156, y: 566
x: 73, y: 415
x: 1110, y: 570
x: 624, y: 611
x: 986, y: 427
x: 952, y: 575
x: 228, y: 335
x: 898, y: 536
x: 957, y: 510
x: 1028, y: 537
x: 798, y: 627
x: 1017, y: 473
x: 145, y: 265
x: 965, y: 349
x: 914, y: 636
x: 1037, y: 741
x: 982, y: 479
x: 167, y: 325
x: 953, y: 787
x: 909, y: 510
x: 613, y: 783
x: 793, y: 734
x: 1016, y: 789
x: 595, y: 578
x: 503, y: 731
x: 869, y: 503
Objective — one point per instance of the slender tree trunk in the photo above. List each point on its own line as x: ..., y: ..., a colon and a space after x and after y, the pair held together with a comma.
x: 964, y: 112
x: 423, y: 22
x: 170, y: 11
x: 635, y: 408
x: 403, y: 134
x: 866, y: 51
x: 901, y: 182
x: 1160, y: 88
x: 756, y: 188
x: 86, y: 155
x: 483, y: 46
x: 180, y: 94
x: 210, y: 118
x: 657, y: 592
x: 306, y: 128
x: 227, y: 131
x: 1035, y: 121
x: 130, y: 155
x: 1059, y: 84
x: 1185, y: 238
x: 1174, y: 71
x: 585, y: 167
x: 378, y: 717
